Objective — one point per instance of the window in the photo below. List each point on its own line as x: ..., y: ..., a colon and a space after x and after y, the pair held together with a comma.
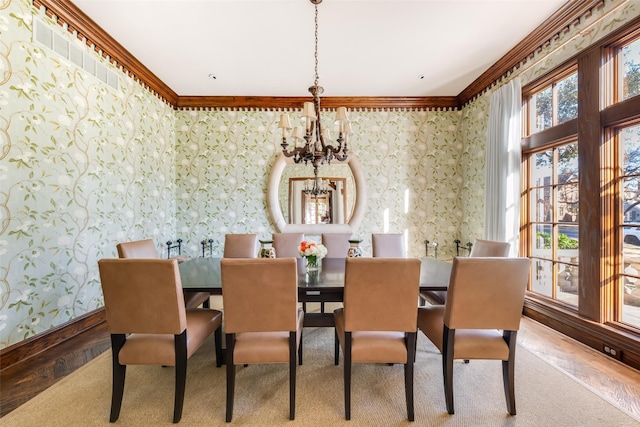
x: 553, y: 201
x: 628, y: 59
x: 552, y: 194
x: 628, y: 289
x: 554, y: 104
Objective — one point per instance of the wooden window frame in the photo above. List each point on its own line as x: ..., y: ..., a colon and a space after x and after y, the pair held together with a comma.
x: 599, y: 118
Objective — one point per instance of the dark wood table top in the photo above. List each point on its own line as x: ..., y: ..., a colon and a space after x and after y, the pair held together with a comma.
x: 203, y: 274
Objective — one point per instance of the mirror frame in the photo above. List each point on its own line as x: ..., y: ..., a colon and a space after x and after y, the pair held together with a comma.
x: 273, y: 201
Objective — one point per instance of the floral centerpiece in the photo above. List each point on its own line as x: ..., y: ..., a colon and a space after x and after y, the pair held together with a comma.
x: 312, y: 252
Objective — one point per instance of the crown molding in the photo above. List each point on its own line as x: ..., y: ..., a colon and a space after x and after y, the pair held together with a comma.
x: 558, y: 23
x: 77, y: 22
x: 329, y: 102
x: 65, y: 12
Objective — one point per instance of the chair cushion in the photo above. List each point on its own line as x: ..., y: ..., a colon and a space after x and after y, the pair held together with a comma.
x: 159, y: 349
x: 480, y: 344
x: 372, y: 346
x: 265, y: 347
x: 469, y: 343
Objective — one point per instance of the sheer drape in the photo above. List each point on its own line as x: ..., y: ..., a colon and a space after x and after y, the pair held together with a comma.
x: 503, y: 156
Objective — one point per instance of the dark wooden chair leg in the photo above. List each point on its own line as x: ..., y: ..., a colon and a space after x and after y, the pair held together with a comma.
x: 408, y: 374
x: 217, y: 336
x: 119, y: 373
x: 292, y: 375
x: 180, y: 342
x: 206, y: 304
x: 347, y: 375
x: 231, y: 375
x: 300, y: 349
x: 447, y: 367
x: 336, y: 347
x: 508, y: 372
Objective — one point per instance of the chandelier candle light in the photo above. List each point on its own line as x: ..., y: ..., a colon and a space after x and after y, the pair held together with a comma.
x: 316, y: 149
x: 312, y: 252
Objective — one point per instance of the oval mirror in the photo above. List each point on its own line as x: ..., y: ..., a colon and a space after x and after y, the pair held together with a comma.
x: 350, y: 185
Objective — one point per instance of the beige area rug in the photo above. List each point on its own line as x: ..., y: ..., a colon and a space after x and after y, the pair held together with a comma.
x: 544, y: 395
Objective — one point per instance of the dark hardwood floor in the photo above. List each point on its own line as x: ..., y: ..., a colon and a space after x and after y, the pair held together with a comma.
x: 613, y: 380
x: 25, y: 379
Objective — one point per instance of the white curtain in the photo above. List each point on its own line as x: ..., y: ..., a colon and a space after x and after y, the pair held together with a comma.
x: 503, y: 157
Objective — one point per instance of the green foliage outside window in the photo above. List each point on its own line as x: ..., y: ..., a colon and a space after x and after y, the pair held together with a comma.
x: 564, y: 242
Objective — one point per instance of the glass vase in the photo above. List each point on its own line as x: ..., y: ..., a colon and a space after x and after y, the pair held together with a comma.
x: 312, y: 263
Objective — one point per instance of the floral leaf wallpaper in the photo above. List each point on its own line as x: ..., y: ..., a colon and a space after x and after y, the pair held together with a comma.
x: 411, y: 161
x: 84, y: 166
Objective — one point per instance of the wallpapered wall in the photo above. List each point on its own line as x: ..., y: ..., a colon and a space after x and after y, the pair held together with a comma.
x: 224, y: 159
x: 84, y: 166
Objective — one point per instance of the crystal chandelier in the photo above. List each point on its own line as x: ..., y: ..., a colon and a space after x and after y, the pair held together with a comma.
x: 316, y: 148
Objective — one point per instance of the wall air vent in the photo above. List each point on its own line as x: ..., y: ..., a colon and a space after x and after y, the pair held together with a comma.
x: 55, y: 42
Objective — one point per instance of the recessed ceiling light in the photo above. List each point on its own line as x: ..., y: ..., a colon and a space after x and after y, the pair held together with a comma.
x: 212, y: 76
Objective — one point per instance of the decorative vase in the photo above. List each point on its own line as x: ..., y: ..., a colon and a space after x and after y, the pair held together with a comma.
x: 354, y: 249
x: 266, y: 250
x: 312, y: 263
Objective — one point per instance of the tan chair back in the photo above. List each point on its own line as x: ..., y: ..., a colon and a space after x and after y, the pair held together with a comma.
x: 381, y: 294
x: 490, y: 248
x: 240, y: 246
x: 142, y: 296
x: 137, y: 249
x: 259, y: 295
x: 337, y: 244
x: 486, y: 293
x: 286, y: 244
x: 389, y: 245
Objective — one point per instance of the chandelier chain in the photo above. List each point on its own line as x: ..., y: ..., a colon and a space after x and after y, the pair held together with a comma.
x: 317, y: 78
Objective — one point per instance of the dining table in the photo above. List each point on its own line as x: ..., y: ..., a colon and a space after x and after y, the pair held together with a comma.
x: 324, y: 285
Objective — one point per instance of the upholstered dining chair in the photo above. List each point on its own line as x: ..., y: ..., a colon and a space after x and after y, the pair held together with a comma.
x: 147, y: 249
x: 388, y: 245
x: 240, y: 246
x: 262, y: 321
x: 378, y: 323
x: 287, y: 244
x: 337, y: 244
x: 480, y: 248
x: 490, y: 248
x: 152, y: 331
x: 481, y: 317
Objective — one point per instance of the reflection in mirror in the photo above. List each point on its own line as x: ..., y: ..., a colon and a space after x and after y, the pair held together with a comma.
x: 278, y: 200
x: 300, y: 207
x: 327, y: 206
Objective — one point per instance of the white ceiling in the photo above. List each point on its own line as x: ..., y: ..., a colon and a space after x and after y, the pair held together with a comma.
x: 366, y: 47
